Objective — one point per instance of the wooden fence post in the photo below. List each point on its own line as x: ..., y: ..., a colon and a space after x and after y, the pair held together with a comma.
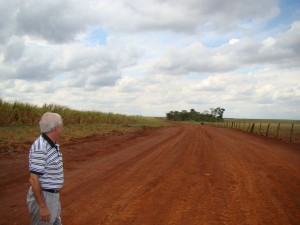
x: 277, y: 130
x: 252, y: 128
x: 291, y: 135
x: 248, y: 127
x: 267, y: 130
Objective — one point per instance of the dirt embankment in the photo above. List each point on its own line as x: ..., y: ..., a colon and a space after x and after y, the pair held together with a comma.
x: 185, y: 175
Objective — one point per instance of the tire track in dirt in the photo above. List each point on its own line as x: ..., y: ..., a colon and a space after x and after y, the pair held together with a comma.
x: 198, y: 176
x: 249, y: 165
x: 121, y: 171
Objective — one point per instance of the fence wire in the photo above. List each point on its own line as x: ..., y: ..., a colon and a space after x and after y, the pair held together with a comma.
x: 285, y: 131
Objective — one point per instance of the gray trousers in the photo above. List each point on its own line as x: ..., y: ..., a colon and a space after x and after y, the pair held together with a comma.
x: 53, y: 203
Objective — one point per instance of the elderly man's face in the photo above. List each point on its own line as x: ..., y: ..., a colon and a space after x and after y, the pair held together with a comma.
x: 59, y: 130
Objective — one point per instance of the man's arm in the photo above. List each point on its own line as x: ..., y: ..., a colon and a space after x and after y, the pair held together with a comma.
x: 38, y: 194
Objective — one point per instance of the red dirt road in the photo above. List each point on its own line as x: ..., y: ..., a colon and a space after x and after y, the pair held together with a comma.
x: 187, y: 174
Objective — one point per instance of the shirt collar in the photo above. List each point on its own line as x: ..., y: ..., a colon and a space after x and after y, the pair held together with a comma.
x: 52, y: 144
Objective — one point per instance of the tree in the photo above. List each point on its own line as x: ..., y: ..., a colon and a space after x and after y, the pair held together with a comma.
x: 220, y: 112
x: 193, y: 115
x: 184, y: 115
x: 217, y: 112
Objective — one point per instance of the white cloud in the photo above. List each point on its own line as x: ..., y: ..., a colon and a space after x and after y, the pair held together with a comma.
x: 233, y: 41
x: 269, y: 42
x: 279, y: 51
x: 14, y: 49
x: 158, y: 56
x: 56, y: 21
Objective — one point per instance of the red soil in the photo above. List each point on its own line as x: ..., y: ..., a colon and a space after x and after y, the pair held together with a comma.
x: 187, y: 174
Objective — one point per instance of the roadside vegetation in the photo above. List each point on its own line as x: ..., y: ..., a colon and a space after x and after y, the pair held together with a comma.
x: 216, y: 115
x: 19, y: 124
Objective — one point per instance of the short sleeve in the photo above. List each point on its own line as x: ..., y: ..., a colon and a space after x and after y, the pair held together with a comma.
x: 37, y: 158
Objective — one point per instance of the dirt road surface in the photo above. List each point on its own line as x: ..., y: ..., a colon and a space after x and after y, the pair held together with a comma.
x: 181, y: 175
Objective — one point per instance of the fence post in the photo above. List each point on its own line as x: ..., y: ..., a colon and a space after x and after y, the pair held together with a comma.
x: 248, y: 127
x: 252, y: 128
x: 277, y: 130
x: 291, y: 136
x: 259, y: 127
x: 267, y: 129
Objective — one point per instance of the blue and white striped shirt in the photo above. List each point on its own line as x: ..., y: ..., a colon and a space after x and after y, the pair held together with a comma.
x: 45, y: 159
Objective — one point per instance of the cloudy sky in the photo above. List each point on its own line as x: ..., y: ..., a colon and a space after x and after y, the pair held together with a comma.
x: 149, y: 57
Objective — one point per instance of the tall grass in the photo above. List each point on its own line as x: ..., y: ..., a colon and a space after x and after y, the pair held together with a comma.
x: 18, y: 113
x: 19, y: 124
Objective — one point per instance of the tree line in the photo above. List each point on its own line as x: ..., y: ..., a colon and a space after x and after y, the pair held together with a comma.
x: 215, y: 115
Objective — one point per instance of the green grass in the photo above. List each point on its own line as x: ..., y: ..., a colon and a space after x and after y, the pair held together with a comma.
x: 19, y: 124
x: 17, y: 138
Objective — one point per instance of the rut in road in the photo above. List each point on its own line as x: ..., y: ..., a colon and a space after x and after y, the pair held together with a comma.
x: 185, y: 175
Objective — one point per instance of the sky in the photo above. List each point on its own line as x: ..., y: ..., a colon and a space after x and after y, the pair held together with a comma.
x: 150, y: 57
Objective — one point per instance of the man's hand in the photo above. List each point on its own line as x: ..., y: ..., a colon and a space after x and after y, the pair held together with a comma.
x: 37, y: 191
x: 45, y: 214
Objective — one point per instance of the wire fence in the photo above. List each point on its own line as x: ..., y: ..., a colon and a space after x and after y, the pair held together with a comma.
x: 285, y: 131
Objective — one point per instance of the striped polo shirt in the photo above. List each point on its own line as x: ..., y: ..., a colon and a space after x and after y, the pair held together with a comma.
x: 45, y: 160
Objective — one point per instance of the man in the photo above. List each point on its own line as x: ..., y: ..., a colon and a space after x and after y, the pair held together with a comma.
x: 46, y: 173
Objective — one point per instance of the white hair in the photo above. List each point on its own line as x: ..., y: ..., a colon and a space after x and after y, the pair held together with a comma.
x: 50, y: 121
